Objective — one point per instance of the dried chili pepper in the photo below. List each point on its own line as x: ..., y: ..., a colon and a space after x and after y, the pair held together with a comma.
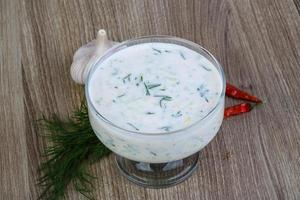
x: 236, y: 93
x: 237, y: 109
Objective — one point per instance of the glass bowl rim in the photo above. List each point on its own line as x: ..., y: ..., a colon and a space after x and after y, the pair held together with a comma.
x: 135, y: 41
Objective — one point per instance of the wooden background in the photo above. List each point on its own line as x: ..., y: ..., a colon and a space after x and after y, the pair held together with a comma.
x: 254, y: 156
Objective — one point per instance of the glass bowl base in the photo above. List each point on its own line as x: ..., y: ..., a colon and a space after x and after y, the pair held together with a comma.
x: 157, y: 175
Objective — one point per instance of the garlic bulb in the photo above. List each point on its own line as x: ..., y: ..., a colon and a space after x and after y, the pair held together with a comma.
x: 86, y: 55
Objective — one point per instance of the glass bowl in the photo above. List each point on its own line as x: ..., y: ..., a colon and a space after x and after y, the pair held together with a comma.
x: 161, y: 159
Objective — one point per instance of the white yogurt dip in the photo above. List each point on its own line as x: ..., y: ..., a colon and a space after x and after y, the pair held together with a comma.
x: 152, y: 89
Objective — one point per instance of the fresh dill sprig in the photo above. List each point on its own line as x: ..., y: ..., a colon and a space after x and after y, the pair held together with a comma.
x: 122, y: 95
x: 147, y: 90
x: 150, y: 113
x: 182, y: 55
x: 156, y: 50
x: 73, y: 146
x: 207, y: 69
x: 163, y: 98
x: 127, y: 78
x: 166, y: 98
x: 151, y: 86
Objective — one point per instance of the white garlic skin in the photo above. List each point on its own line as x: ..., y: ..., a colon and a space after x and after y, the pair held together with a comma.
x: 85, y: 56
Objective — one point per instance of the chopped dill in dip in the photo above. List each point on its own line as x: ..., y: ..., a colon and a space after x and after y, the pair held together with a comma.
x: 155, y: 87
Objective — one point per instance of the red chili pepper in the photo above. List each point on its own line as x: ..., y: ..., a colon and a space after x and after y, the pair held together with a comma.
x: 236, y: 93
x: 237, y: 109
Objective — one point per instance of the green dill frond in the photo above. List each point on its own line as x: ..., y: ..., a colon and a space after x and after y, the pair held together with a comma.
x: 73, y: 145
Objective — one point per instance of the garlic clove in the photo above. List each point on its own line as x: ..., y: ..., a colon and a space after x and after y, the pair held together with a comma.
x: 86, y: 49
x: 77, y: 70
x: 86, y: 55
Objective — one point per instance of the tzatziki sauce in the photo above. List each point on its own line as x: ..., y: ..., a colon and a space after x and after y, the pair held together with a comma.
x: 155, y: 87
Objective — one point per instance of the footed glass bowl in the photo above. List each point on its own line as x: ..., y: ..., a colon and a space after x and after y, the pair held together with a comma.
x: 161, y: 159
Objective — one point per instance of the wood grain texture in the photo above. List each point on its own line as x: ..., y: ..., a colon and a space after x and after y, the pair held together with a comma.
x: 257, y: 42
